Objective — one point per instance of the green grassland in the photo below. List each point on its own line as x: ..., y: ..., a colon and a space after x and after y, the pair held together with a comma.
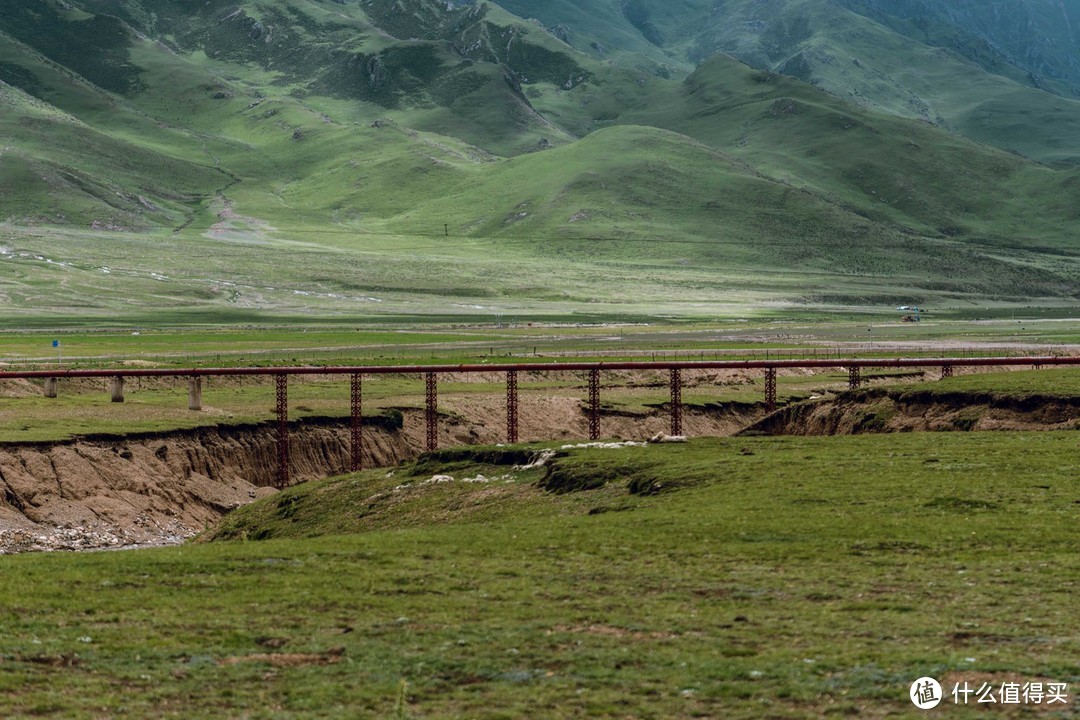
x: 974, y: 32
x: 221, y: 339
x: 904, y: 72
x: 1043, y: 382
x: 734, y: 591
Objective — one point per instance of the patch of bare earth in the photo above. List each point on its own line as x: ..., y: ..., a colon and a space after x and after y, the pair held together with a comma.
x: 612, y: 631
x: 288, y: 660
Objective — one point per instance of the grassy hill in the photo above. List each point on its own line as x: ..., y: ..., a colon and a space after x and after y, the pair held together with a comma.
x: 77, y: 155
x: 288, y: 156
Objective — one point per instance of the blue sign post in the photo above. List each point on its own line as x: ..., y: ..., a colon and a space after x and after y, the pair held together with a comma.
x: 56, y: 344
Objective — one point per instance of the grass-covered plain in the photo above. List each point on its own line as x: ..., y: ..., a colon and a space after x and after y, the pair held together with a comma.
x: 179, y: 338
x: 778, y: 577
x: 83, y: 407
x: 1047, y: 382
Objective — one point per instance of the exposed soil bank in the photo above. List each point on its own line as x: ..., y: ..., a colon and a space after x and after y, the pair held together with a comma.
x: 159, y: 488
x: 898, y: 410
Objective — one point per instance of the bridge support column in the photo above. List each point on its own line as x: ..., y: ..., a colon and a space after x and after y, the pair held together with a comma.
x: 117, y: 389
x: 511, y: 406
x: 854, y: 377
x: 431, y: 414
x: 50, y: 387
x: 282, y: 386
x: 194, y: 401
x: 594, y: 404
x: 676, y: 401
x: 770, y: 389
x: 356, y: 439
x: 946, y: 371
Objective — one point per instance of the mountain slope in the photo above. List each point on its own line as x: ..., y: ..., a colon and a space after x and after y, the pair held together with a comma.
x: 1033, y: 42
x: 60, y: 170
x: 317, y: 154
x: 906, y: 174
x: 867, y: 63
x: 1004, y: 73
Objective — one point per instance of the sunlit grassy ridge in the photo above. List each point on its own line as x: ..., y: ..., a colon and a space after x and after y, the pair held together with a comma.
x: 740, y: 586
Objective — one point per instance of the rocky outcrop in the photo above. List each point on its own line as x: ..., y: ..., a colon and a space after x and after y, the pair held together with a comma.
x: 375, y: 73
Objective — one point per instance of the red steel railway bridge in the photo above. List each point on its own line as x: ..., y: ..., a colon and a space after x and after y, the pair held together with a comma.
x: 430, y: 374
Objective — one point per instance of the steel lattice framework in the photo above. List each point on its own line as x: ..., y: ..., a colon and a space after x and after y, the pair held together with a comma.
x: 675, y: 382
x: 431, y: 410
x: 511, y: 406
x: 818, y: 363
x: 594, y: 404
x: 770, y: 389
x: 282, y: 383
x: 356, y: 408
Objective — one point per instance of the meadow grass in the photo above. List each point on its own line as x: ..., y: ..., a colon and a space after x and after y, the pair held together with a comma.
x: 780, y: 577
x: 1050, y: 382
x: 222, y: 338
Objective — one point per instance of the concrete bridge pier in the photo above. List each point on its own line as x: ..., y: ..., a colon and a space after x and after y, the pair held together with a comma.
x: 50, y: 387
x: 194, y: 393
x: 117, y: 389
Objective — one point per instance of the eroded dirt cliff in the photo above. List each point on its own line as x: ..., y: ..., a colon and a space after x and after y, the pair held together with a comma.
x: 899, y: 410
x: 160, y: 488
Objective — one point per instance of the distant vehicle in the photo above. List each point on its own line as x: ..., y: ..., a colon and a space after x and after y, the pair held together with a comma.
x: 912, y: 313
